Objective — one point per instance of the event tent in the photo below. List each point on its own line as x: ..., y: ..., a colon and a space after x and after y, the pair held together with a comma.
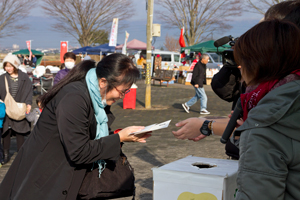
x: 39, y: 55
x: 81, y: 50
x: 134, y: 45
x: 104, y: 48
x: 207, y: 46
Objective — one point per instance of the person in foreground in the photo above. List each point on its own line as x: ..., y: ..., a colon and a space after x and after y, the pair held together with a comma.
x: 269, y: 163
x: 73, y: 132
x: 190, y: 128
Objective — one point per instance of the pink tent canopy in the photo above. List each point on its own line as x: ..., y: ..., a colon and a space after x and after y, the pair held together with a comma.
x: 134, y: 44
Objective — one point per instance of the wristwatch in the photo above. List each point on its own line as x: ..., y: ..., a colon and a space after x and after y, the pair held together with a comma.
x: 206, y: 128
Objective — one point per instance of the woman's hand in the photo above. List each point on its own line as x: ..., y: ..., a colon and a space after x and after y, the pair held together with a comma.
x: 125, y: 135
x: 28, y: 108
x: 239, y: 122
x: 190, y: 129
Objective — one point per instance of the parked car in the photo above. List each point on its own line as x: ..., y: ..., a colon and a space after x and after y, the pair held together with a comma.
x: 215, y: 61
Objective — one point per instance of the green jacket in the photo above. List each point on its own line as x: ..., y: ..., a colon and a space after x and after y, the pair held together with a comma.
x: 269, y: 165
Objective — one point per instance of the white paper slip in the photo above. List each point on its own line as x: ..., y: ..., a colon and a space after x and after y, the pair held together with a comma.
x: 153, y: 127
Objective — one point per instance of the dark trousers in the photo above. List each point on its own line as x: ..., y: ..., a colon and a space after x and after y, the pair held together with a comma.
x: 6, y: 139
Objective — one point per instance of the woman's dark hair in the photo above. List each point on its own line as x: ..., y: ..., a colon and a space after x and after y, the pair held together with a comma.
x: 75, y: 74
x: 70, y: 55
x: 38, y: 99
x: 286, y: 10
x: 117, y: 69
x: 16, y: 70
x: 269, y: 50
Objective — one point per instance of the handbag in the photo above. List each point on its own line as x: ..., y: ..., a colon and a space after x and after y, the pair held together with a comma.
x: 14, y: 110
x: 116, y: 180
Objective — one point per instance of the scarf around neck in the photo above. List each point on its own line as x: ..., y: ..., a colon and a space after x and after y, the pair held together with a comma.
x: 255, y: 93
x: 101, y: 117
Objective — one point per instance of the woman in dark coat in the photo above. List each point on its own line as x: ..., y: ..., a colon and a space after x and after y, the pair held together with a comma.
x: 53, y: 161
x: 20, y: 88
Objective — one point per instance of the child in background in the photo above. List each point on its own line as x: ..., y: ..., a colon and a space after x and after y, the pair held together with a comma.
x: 34, y: 115
x: 2, y: 116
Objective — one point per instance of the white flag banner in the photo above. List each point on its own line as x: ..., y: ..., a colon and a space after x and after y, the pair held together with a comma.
x: 125, y: 43
x: 114, y: 33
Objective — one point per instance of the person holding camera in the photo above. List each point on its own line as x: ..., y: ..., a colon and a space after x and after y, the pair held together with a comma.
x: 231, y: 80
x: 198, y: 79
x: 269, y: 164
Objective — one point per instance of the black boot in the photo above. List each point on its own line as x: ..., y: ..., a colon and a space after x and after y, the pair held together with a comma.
x: 6, y: 156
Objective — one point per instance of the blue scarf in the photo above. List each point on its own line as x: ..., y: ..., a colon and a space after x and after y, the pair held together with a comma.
x: 101, y: 117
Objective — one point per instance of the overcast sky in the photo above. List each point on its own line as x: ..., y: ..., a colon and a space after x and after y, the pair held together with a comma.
x: 43, y: 37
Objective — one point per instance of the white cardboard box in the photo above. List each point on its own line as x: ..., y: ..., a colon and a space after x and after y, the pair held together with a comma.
x: 181, y: 180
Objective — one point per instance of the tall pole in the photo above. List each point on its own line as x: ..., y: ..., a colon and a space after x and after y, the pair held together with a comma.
x: 149, y: 51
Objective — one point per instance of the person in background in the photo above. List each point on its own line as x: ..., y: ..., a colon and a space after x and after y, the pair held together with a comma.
x: 27, y: 61
x: 69, y: 63
x: 34, y: 115
x: 20, y: 58
x: 73, y: 132
x: 195, y: 61
x: 20, y: 88
x: 34, y: 59
x: 157, y: 62
x: 87, y: 57
x: 2, y: 116
x: 198, y: 79
x: 141, y: 62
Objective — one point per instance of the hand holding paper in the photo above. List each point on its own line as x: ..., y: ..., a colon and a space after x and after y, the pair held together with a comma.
x: 153, y: 127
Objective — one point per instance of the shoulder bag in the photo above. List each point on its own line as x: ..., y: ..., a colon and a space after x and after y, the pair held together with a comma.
x: 14, y: 110
x: 116, y: 180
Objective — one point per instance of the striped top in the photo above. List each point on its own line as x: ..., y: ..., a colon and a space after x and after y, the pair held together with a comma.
x: 14, y: 86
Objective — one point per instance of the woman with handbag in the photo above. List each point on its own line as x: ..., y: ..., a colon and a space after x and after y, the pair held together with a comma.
x: 72, y: 133
x: 15, y: 86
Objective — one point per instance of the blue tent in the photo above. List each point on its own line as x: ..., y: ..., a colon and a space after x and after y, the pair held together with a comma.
x: 104, y: 48
x: 81, y: 50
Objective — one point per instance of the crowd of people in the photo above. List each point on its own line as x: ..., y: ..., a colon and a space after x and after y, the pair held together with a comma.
x: 73, y: 130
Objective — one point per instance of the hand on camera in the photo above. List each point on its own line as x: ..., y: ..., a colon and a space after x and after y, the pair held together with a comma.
x: 125, y: 135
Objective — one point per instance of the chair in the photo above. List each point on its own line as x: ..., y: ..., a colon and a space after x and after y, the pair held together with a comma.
x: 46, y: 84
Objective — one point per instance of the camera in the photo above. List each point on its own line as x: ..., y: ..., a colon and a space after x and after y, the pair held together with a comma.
x: 227, y: 55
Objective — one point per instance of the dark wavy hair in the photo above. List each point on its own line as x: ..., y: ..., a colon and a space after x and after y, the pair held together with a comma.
x: 286, y: 10
x: 269, y: 50
x: 116, y: 68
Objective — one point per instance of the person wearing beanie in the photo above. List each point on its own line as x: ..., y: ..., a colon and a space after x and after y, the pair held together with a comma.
x: 20, y: 88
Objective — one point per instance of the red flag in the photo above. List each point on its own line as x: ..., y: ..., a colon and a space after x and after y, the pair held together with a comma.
x: 181, y: 38
x: 63, y: 50
x: 28, y: 43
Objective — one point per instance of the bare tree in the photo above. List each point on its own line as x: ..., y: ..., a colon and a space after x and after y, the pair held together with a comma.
x: 171, y: 43
x: 11, y: 13
x: 84, y: 18
x: 199, y: 17
x: 260, y: 6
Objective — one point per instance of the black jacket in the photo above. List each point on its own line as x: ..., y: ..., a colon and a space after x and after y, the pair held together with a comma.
x: 52, y: 162
x: 24, y: 95
x: 199, y: 74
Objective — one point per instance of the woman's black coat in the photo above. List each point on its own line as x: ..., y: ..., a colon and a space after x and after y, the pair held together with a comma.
x: 52, y: 162
x: 24, y: 95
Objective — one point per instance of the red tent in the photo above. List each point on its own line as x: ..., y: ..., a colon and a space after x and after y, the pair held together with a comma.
x: 134, y: 44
